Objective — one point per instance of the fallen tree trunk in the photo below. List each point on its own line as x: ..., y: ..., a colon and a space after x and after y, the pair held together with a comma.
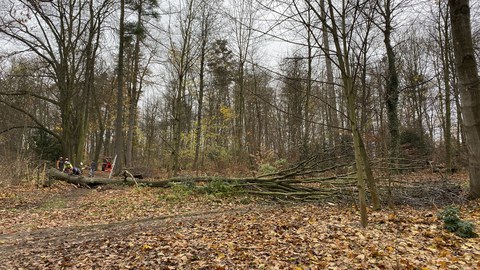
x: 250, y: 184
x: 308, y: 178
x: 97, y: 181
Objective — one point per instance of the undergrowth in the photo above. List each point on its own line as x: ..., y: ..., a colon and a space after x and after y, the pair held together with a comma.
x: 213, y: 189
x: 453, y: 223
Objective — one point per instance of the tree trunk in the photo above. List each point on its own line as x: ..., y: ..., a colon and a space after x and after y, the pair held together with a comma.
x: 98, y: 181
x: 203, y: 51
x: 119, y: 107
x: 334, y: 138
x: 391, y: 93
x: 239, y: 107
x: 179, y: 108
x: 469, y: 86
x: 360, y: 162
x: 308, y: 92
x: 444, y: 45
x: 135, y: 91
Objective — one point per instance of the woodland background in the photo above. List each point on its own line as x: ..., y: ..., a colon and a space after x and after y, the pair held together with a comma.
x: 229, y: 87
x: 274, y: 125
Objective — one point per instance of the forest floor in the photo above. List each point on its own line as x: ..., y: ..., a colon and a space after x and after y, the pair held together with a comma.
x: 65, y: 227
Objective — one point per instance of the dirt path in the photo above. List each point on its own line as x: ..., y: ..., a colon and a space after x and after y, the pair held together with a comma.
x: 68, y: 228
x: 32, y: 248
x: 11, y: 243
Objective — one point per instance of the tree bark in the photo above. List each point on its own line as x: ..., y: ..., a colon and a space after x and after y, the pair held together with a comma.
x: 203, y: 51
x: 391, y: 93
x: 469, y: 86
x: 334, y: 135
x: 183, y: 67
x: 119, y: 107
x: 97, y: 181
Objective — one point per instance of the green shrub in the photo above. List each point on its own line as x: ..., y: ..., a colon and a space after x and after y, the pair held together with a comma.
x: 179, y: 192
x: 450, y: 218
x: 215, y: 188
x: 453, y: 223
x: 266, y: 168
x: 221, y: 188
x: 466, y: 229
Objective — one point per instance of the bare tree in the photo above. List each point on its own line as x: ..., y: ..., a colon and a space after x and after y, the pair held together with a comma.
x: 119, y: 140
x: 341, y: 21
x: 442, y: 55
x: 136, y: 33
x: 65, y: 35
x: 387, y: 9
x: 243, y: 27
x: 182, y: 60
x: 207, y: 20
x: 330, y: 85
x: 467, y: 71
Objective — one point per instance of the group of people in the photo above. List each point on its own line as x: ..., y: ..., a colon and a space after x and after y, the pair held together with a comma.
x: 64, y: 165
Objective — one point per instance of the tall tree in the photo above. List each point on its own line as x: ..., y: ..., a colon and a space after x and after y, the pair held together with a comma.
x: 443, y: 41
x: 64, y: 34
x: 207, y: 18
x: 243, y: 20
x: 119, y: 151
x: 332, y: 112
x: 386, y: 9
x: 294, y: 91
x: 341, y: 21
x: 182, y: 60
x: 467, y: 71
x: 135, y: 36
x: 220, y: 66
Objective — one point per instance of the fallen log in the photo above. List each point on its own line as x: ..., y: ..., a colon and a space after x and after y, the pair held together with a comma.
x: 83, y: 181
x: 289, y: 183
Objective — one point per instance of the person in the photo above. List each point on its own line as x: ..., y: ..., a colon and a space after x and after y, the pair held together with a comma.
x: 104, y: 164
x: 60, y: 164
x: 76, y: 171
x: 67, y: 166
x: 108, y: 166
x: 93, y: 167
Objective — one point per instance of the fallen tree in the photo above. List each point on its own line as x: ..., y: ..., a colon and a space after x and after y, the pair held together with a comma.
x: 312, y: 179
x: 79, y: 180
x: 309, y: 179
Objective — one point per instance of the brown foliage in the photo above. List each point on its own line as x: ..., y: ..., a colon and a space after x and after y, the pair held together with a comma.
x: 64, y: 227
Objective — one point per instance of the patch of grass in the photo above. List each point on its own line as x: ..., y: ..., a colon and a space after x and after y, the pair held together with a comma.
x: 212, y: 190
x: 53, y: 203
x: 178, y: 192
x: 246, y: 200
x: 219, y: 188
x: 140, y: 188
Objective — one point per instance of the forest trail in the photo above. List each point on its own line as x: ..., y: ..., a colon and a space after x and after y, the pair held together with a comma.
x: 65, y: 227
x: 38, y: 244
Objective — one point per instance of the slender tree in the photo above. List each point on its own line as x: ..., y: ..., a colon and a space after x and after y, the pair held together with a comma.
x: 336, y: 18
x: 119, y: 142
x: 206, y: 21
x: 136, y: 33
x: 183, y: 60
x: 332, y: 113
x: 243, y: 23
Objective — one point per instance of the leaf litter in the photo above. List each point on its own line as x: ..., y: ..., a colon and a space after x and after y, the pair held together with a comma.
x: 64, y: 227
